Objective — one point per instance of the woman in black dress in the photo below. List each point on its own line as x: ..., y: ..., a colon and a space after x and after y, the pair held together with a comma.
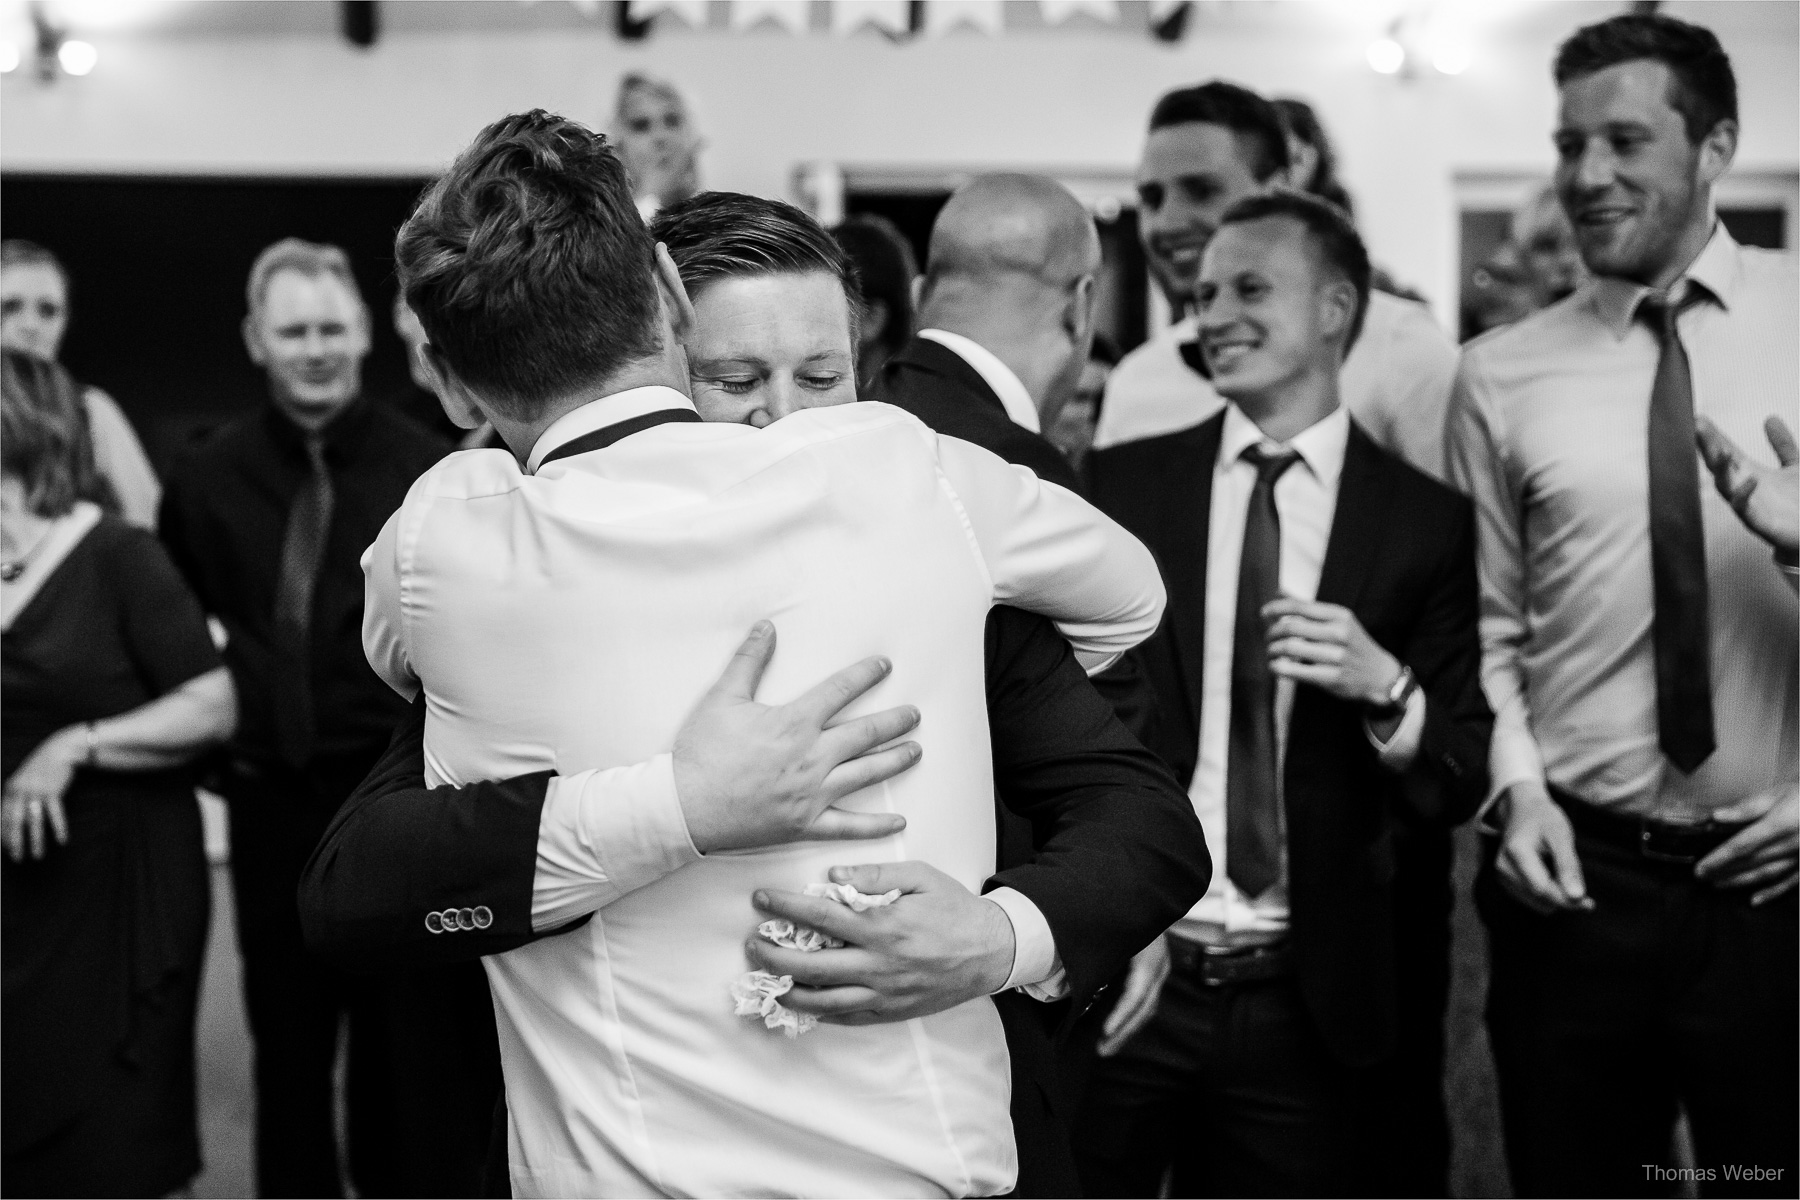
x: 110, y: 686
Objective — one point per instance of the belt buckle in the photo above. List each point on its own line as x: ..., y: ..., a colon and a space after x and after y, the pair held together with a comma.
x: 1649, y: 834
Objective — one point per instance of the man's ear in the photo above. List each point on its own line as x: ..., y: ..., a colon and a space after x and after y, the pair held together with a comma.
x: 253, y: 342
x: 1337, y: 309
x: 460, y: 404
x: 1717, y: 149
x: 674, y: 295
x: 1078, y: 310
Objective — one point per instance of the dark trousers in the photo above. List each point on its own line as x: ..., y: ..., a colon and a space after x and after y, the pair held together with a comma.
x: 1669, y: 991
x: 1232, y: 1088
x: 422, y: 1070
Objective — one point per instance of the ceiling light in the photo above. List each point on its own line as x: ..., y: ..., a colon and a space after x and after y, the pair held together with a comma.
x: 1386, y: 56
x: 1450, y: 58
x: 77, y: 58
x: 9, y: 57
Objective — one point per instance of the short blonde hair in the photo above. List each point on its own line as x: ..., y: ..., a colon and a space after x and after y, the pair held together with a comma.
x: 308, y: 258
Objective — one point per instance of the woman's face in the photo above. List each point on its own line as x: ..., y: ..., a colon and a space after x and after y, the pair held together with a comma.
x: 764, y: 346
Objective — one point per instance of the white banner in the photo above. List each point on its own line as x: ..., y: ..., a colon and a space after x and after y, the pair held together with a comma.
x: 691, y: 11
x: 941, y: 16
x: 890, y: 16
x: 789, y: 14
x: 1058, y: 11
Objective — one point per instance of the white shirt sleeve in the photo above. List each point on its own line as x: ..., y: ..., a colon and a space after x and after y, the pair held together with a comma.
x: 1478, y: 468
x: 384, y: 621
x: 1049, y: 551
x: 1398, y: 752
x: 120, y: 457
x: 603, y: 835
x: 1421, y: 371
x: 1037, y: 967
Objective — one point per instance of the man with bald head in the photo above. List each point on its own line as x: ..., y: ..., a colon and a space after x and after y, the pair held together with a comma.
x: 1005, y: 320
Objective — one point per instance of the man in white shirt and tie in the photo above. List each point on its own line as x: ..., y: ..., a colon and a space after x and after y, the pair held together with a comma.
x: 1640, y: 650
x: 569, y: 614
x: 1210, y: 146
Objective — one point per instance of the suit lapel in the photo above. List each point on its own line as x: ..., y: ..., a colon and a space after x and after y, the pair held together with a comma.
x: 1189, y: 535
x: 938, y: 359
x: 1355, y: 525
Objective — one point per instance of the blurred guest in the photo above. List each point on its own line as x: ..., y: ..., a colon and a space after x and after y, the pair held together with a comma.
x: 34, y: 315
x: 1322, y: 599
x: 885, y: 272
x: 112, y: 686
x: 657, y: 141
x: 1073, y: 430
x: 1641, y: 651
x: 1500, y: 290
x: 1547, y: 249
x: 1313, y: 168
x: 1006, y: 314
x: 416, y: 400
x: 1210, y: 146
x: 268, y: 519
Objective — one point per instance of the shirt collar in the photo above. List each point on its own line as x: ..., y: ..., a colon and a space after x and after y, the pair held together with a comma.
x: 1321, y: 445
x: 598, y: 414
x: 996, y: 374
x: 1715, y: 271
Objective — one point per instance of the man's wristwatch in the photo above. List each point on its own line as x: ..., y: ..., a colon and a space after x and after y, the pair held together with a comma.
x: 1399, y: 693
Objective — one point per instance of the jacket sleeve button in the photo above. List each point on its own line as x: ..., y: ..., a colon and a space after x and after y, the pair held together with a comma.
x: 484, y: 916
x: 434, y: 923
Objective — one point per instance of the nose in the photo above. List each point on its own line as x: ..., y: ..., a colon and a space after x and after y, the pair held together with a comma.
x: 314, y: 343
x: 1594, y: 169
x: 783, y: 397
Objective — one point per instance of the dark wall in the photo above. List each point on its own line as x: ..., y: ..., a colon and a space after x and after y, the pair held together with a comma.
x: 158, y: 268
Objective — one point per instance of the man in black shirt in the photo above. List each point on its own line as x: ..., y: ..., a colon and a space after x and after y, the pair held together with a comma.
x: 268, y: 518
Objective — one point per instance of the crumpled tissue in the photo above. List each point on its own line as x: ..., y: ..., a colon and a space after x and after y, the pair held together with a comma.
x: 758, y: 993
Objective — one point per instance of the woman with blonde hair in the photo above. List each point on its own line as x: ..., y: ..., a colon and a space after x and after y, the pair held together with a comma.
x: 111, y: 687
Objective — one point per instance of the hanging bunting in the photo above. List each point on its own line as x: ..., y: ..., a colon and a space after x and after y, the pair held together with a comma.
x: 889, y: 16
x: 941, y: 16
x: 789, y: 14
x: 691, y: 11
x: 1058, y: 11
x: 1162, y: 10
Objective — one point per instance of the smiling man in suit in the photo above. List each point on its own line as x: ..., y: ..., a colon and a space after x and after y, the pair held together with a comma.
x: 1006, y: 316
x: 1317, y: 681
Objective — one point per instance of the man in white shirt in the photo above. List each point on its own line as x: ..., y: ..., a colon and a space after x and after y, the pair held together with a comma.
x: 1006, y: 318
x: 1209, y: 147
x: 1317, y: 684
x: 639, y: 542
x: 1640, y: 650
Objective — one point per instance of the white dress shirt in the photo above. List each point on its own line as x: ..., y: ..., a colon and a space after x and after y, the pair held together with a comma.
x: 569, y: 619
x: 996, y: 374
x: 1305, y: 501
x: 1395, y: 382
x: 1549, y: 435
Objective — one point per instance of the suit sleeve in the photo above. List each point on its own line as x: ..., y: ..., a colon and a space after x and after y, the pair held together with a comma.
x: 541, y: 853
x: 1051, y: 552
x: 1444, y: 652
x: 1119, y: 852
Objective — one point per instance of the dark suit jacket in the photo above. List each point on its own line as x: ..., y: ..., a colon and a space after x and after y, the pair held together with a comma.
x: 1401, y: 556
x: 934, y: 383
x: 1119, y: 857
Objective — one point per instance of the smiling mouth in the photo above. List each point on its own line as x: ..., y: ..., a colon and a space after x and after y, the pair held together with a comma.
x: 1600, y: 217
x: 1224, y: 354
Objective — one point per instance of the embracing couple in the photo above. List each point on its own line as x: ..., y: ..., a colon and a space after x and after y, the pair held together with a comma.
x: 628, y: 838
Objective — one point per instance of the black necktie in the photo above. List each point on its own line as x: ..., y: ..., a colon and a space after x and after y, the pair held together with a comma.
x: 1681, y: 630
x: 1252, y: 804
x: 302, y: 550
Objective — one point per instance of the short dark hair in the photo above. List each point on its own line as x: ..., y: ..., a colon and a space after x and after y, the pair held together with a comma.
x: 45, y: 441
x: 885, y: 269
x: 1333, y: 237
x: 728, y: 235
x: 1255, y: 121
x: 528, y: 264
x: 1304, y: 124
x: 1703, y: 89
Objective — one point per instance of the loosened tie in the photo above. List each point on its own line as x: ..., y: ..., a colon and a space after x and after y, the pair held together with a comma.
x: 302, y: 551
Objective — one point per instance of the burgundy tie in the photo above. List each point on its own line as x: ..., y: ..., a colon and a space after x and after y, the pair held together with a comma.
x: 1252, y: 800
x: 1681, y: 630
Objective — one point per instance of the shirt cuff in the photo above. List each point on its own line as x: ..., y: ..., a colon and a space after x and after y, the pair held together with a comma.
x: 1398, y: 752
x: 603, y: 835
x: 1037, y: 967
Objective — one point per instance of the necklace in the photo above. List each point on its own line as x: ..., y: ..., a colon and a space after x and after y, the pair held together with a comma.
x: 12, y: 568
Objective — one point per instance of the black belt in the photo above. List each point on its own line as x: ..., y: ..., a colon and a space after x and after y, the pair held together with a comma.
x: 1216, y: 967
x: 1679, y: 842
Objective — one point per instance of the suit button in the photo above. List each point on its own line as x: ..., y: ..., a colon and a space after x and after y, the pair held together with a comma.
x: 434, y: 923
x: 448, y: 917
x: 465, y: 918
x: 484, y: 916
